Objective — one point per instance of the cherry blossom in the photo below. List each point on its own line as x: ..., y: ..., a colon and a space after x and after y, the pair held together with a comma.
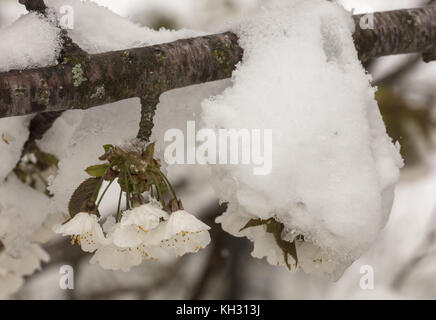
x: 85, y: 229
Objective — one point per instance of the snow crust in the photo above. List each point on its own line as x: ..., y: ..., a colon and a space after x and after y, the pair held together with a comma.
x: 13, y: 134
x: 22, y: 212
x: 31, y: 41
x: 97, y: 29
x: 334, y: 167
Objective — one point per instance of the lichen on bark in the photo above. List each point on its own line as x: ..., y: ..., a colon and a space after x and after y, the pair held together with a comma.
x: 149, y: 71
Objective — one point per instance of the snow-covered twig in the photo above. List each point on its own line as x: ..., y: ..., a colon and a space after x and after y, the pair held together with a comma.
x: 149, y: 71
x: 43, y: 121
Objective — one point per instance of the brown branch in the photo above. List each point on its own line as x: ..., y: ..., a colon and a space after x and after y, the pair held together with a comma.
x: 148, y: 109
x: 34, y: 5
x: 114, y: 76
x: 149, y: 71
x: 39, y: 125
x: 43, y: 121
x: 397, y: 32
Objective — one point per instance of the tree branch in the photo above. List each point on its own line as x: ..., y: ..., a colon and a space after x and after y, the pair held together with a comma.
x: 114, y: 76
x: 397, y: 32
x: 148, y: 109
x: 149, y: 71
x: 43, y: 121
x: 34, y: 5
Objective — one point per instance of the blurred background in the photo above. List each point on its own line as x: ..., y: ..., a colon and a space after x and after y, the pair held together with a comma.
x: 403, y: 258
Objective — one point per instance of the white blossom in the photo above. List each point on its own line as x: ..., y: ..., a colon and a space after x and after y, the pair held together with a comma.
x: 111, y: 257
x: 136, y: 223
x: 114, y: 257
x: 85, y: 229
x: 185, y: 233
x: 149, y: 233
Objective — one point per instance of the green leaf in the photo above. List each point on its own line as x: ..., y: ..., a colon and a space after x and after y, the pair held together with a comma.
x: 82, y: 199
x: 97, y: 171
x: 107, y: 147
x: 276, y: 228
x: 254, y: 223
x: 289, y: 248
x: 46, y: 158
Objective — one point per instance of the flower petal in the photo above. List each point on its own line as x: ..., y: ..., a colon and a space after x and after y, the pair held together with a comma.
x: 184, y: 221
x: 86, y: 228
x: 111, y: 257
x: 146, y: 216
x: 127, y: 236
x: 185, y: 233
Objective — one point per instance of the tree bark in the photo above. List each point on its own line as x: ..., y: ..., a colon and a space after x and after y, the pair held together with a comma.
x: 397, y: 32
x: 43, y: 121
x: 34, y: 5
x: 93, y: 80
x: 104, y: 78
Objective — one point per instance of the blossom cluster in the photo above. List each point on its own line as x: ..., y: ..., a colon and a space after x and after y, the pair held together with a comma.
x: 150, y: 228
x: 144, y: 233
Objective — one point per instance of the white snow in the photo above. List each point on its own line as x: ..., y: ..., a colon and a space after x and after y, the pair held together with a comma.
x: 97, y: 29
x: 108, y: 124
x: 31, y: 41
x: 13, y: 269
x: 375, y: 5
x: 19, y: 220
x: 198, y: 193
x: 334, y: 167
x: 13, y: 134
x: 34, y: 40
x: 22, y: 212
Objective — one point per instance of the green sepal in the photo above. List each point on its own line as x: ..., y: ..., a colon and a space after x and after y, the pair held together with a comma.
x: 98, y: 170
x: 149, y: 153
x: 107, y: 147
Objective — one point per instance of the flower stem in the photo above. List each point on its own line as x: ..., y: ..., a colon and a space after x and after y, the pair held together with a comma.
x: 104, y: 192
x: 159, y: 194
x: 118, y: 218
x: 127, y: 190
x: 135, y: 189
x: 95, y: 195
x: 168, y: 184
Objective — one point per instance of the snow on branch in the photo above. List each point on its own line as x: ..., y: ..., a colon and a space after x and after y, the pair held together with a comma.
x: 91, y: 80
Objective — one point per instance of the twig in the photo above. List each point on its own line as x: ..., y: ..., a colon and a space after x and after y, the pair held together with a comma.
x: 148, y: 108
x: 34, y: 5
x: 43, y: 121
x: 149, y: 71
